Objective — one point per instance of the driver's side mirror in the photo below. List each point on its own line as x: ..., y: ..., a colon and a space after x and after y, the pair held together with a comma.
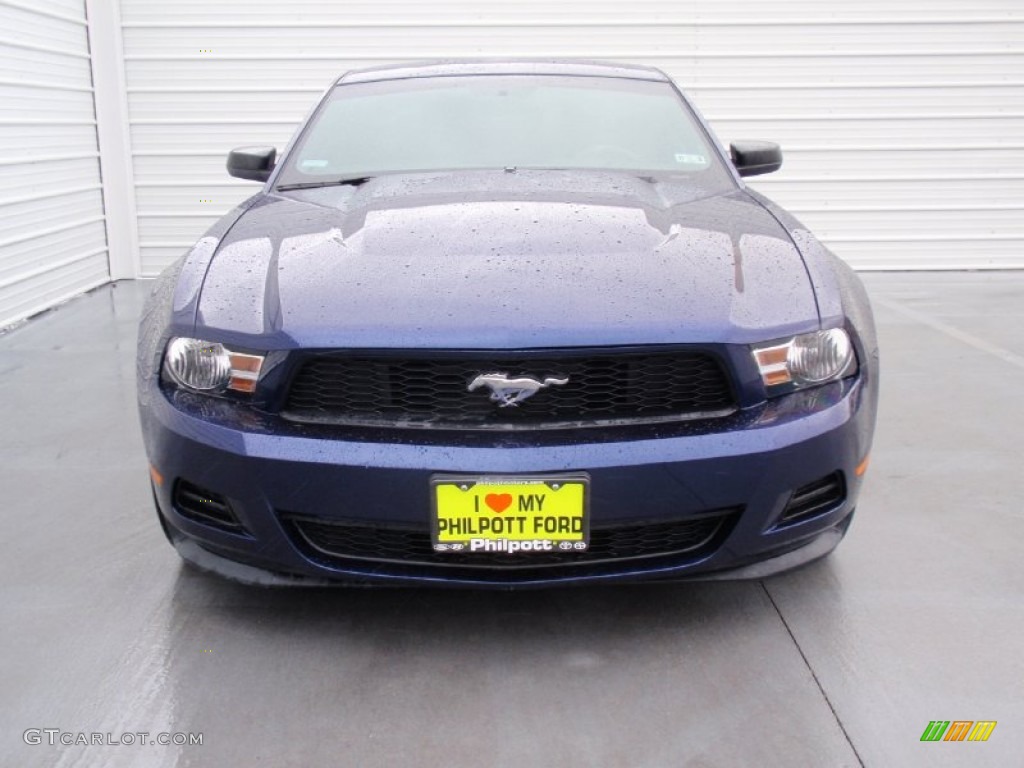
x: 753, y: 158
x: 252, y: 163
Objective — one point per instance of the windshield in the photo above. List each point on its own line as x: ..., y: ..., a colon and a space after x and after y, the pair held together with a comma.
x: 502, y: 121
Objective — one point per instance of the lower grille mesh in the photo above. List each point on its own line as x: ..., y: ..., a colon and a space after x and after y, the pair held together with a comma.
x: 362, y: 542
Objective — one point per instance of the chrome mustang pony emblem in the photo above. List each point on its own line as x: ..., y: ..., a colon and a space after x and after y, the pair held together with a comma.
x: 506, y: 391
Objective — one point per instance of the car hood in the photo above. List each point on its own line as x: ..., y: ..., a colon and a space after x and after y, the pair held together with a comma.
x: 494, y: 259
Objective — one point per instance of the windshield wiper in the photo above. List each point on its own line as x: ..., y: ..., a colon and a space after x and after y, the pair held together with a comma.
x: 354, y: 181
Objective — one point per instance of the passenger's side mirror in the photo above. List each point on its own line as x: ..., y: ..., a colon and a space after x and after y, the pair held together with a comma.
x: 252, y: 163
x: 753, y: 158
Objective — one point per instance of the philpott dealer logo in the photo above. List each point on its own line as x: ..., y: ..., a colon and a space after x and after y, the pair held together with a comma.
x: 958, y: 730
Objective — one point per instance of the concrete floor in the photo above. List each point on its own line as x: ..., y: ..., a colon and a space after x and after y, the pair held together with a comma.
x: 917, y: 617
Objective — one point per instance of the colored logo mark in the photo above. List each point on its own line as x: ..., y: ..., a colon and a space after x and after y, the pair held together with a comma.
x: 958, y: 730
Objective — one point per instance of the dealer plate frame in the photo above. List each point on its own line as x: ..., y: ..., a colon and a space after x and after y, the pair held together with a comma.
x: 506, y: 481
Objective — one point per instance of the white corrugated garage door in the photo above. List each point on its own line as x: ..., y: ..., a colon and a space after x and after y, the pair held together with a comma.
x: 902, y: 121
x: 52, y: 235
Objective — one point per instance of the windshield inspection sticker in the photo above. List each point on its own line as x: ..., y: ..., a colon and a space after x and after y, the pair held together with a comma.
x: 691, y: 159
x: 320, y: 163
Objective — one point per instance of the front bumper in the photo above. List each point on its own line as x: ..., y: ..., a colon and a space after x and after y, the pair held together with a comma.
x: 750, y: 464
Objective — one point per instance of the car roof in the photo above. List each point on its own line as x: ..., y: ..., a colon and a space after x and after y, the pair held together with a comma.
x: 456, y: 67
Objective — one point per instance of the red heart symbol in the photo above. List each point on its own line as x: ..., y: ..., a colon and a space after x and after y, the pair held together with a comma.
x: 499, y: 502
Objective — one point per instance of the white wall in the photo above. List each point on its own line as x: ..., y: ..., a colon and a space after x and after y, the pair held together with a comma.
x: 902, y: 121
x: 52, y: 231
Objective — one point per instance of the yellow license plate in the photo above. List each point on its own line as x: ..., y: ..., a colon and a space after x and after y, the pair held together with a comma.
x: 510, y: 514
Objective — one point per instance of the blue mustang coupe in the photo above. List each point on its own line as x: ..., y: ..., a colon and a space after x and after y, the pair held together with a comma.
x: 506, y: 324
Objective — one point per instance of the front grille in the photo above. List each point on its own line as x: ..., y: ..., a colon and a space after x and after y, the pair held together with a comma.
x: 357, y: 541
x: 605, y: 387
x: 823, y: 494
x: 204, y: 506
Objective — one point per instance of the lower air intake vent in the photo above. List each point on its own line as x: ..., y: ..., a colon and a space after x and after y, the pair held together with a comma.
x: 814, y: 498
x: 349, y: 541
x: 204, y: 507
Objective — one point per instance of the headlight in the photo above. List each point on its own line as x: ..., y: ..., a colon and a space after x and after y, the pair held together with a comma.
x: 805, y: 360
x: 205, y: 366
